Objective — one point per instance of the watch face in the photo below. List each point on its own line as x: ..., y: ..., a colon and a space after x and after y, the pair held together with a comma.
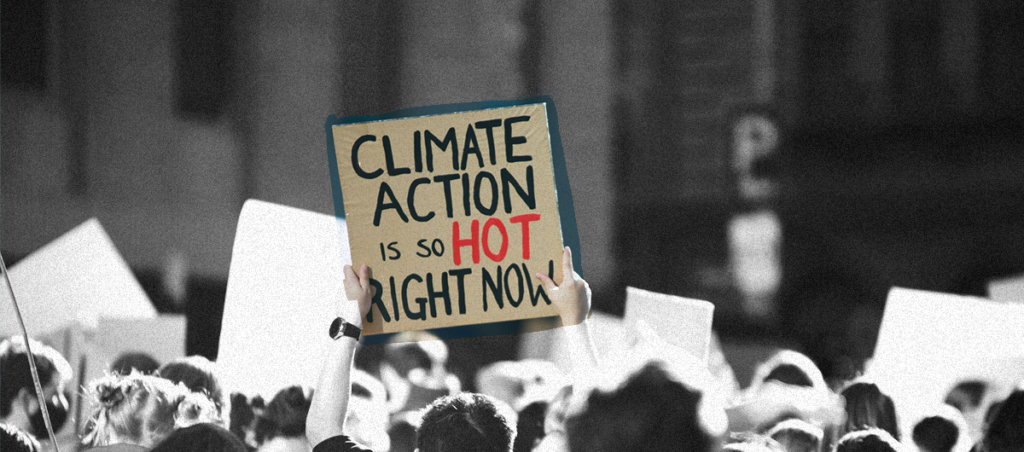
x: 339, y: 328
x: 336, y: 328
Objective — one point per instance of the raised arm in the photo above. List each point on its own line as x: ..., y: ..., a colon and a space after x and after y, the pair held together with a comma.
x: 572, y: 301
x: 326, y: 418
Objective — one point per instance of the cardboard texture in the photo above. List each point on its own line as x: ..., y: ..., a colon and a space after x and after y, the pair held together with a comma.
x: 929, y: 341
x: 79, y: 277
x: 284, y: 281
x: 683, y: 322
x: 1007, y: 289
x: 455, y: 213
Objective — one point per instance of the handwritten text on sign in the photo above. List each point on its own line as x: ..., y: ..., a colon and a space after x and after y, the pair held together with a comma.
x: 454, y: 212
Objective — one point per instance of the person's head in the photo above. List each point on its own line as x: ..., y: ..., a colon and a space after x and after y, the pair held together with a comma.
x: 202, y: 437
x: 796, y: 435
x: 142, y: 362
x: 285, y: 414
x: 198, y: 374
x: 868, y: 440
x: 941, y: 429
x: 13, y: 439
x: 530, y: 426
x: 651, y: 410
x: 1005, y: 433
x: 748, y: 442
x: 466, y: 422
x: 141, y: 409
x: 789, y: 367
x: 866, y: 407
x: 19, y: 405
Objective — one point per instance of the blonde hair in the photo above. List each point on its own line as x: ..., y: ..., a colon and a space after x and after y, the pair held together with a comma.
x: 142, y: 409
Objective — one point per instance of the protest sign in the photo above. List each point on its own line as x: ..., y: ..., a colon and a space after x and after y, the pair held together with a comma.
x: 455, y: 208
x: 283, y: 286
x: 683, y: 322
x: 79, y: 277
x: 929, y: 341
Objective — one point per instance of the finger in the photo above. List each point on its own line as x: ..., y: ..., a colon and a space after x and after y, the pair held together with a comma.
x: 364, y: 276
x: 350, y: 275
x: 548, y: 283
x: 566, y: 262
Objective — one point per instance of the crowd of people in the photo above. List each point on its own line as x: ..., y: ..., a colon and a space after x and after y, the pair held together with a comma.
x: 648, y: 400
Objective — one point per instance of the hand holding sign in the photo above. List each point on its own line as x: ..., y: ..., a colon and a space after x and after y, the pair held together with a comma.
x: 572, y: 297
x: 357, y: 289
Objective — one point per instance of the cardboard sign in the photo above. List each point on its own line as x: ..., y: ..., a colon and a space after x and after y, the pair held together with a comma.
x: 683, y: 322
x: 79, y: 277
x: 929, y: 341
x: 455, y: 208
x: 282, y: 289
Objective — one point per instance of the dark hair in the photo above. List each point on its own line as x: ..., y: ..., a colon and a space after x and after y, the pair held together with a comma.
x: 1005, y: 431
x: 935, y: 434
x: 752, y: 442
x: 866, y: 407
x: 530, y: 426
x: 797, y: 435
x: 465, y: 422
x: 971, y: 390
x: 128, y: 361
x: 243, y: 413
x: 403, y: 436
x: 869, y: 440
x: 789, y: 374
x: 14, y: 440
x: 651, y: 411
x: 197, y: 374
x: 15, y: 371
x: 203, y: 437
x: 285, y: 415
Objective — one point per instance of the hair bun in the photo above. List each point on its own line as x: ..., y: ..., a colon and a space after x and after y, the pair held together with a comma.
x: 111, y: 394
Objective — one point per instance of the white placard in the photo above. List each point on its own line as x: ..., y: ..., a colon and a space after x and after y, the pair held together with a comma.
x: 285, y: 278
x: 80, y: 277
x: 683, y: 322
x: 929, y: 341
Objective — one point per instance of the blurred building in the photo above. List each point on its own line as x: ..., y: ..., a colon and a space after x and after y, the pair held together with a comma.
x: 898, y: 162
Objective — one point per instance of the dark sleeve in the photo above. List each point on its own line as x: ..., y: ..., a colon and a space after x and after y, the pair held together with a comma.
x: 340, y: 443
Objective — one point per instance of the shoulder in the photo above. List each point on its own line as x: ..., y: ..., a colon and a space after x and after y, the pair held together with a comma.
x: 340, y: 443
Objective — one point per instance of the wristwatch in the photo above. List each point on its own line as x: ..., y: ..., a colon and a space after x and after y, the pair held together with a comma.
x: 339, y: 328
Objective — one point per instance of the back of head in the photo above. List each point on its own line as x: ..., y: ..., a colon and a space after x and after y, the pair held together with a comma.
x: 935, y: 434
x: 1005, y: 432
x: 15, y: 370
x: 466, y: 422
x: 285, y: 414
x: 790, y: 367
x: 869, y: 440
x: 748, y: 442
x: 530, y: 426
x: 650, y: 411
x: 201, y: 438
x: 141, y: 409
x: 867, y: 406
x: 198, y: 374
x: 796, y: 435
x: 142, y: 362
x: 967, y: 395
x: 14, y: 440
